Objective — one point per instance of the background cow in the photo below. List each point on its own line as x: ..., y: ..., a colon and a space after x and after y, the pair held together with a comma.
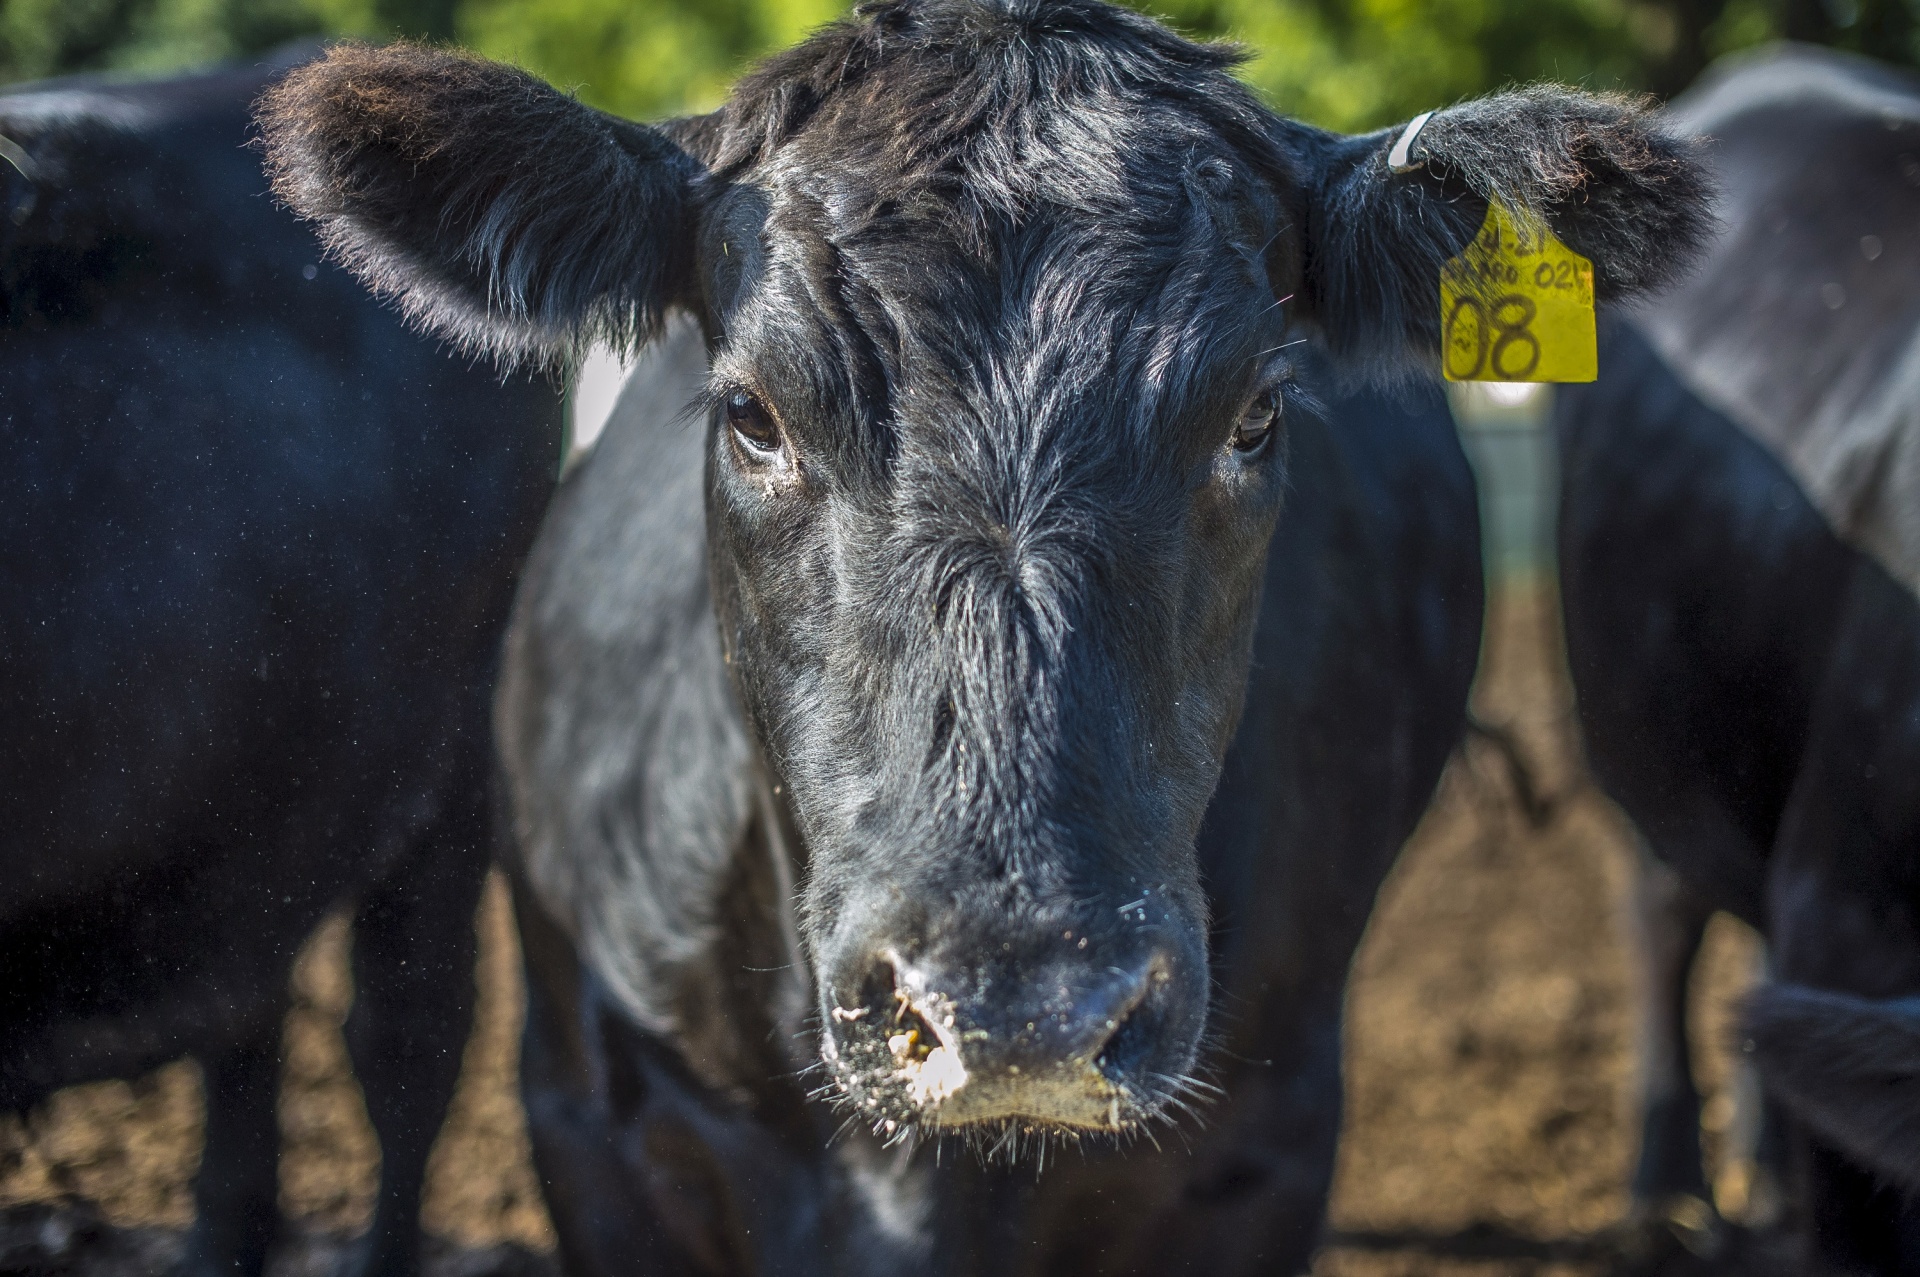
x: 258, y: 547
x: 1740, y: 549
x: 991, y: 312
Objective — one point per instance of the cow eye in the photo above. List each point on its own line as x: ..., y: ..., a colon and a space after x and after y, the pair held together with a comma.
x: 752, y: 423
x: 1257, y: 421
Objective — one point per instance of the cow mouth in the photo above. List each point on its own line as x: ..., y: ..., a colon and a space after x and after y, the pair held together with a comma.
x: 901, y: 1070
x: 1000, y: 1129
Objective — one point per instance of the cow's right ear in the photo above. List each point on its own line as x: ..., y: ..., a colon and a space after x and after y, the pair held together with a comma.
x: 498, y: 212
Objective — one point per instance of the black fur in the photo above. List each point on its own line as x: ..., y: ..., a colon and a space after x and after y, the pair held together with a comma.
x: 1847, y: 1066
x: 71, y: 240
x: 257, y: 543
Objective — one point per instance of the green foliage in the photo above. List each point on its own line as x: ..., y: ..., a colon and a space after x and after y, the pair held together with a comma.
x: 639, y: 57
x: 1355, y: 64
x: 1349, y: 64
x: 55, y: 37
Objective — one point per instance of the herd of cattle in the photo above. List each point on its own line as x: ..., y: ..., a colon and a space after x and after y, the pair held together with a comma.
x: 956, y: 719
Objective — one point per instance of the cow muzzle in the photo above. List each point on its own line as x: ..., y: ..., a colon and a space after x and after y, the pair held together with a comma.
x: 1076, y: 1040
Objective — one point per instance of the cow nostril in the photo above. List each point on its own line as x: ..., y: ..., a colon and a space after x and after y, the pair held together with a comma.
x: 1132, y: 1033
x: 1126, y: 1048
x: 875, y: 998
x: 910, y: 1039
x: 902, y: 1034
x: 886, y: 1006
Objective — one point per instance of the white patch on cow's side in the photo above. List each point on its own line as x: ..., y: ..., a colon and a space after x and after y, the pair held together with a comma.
x: 1856, y: 456
x: 70, y: 106
x: 1511, y: 394
x: 1724, y: 93
x: 596, y: 388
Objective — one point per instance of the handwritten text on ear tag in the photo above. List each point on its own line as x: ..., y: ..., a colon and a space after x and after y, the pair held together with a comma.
x: 1517, y: 305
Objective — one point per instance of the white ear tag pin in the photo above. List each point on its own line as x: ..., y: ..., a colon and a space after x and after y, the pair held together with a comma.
x: 1397, y: 158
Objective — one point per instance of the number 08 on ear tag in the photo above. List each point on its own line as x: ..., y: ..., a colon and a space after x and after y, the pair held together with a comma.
x: 1517, y: 305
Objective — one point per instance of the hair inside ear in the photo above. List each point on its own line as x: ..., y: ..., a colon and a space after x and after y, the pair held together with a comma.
x: 499, y: 212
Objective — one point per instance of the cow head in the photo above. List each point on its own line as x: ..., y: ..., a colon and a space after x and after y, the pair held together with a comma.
x: 1000, y: 296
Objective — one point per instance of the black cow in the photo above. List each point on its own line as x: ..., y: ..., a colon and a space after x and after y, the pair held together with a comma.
x: 1740, y: 548
x: 257, y: 548
x: 1013, y: 758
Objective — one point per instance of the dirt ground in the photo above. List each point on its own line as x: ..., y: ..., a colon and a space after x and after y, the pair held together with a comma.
x: 1490, y: 1105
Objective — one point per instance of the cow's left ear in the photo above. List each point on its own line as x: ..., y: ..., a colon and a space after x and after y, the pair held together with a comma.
x: 499, y: 212
x: 1380, y: 214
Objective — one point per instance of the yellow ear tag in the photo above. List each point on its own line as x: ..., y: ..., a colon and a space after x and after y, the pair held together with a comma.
x: 1517, y: 305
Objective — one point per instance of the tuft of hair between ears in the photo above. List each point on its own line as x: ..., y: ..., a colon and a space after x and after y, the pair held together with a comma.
x: 1600, y: 170
x: 498, y: 212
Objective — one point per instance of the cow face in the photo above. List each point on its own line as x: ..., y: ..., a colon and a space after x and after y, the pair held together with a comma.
x: 999, y: 298
x: 991, y: 482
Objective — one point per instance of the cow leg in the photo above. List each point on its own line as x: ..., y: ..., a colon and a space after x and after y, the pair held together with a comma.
x: 594, y: 1197
x: 237, y: 1188
x: 1257, y: 1200
x: 1278, y: 1224
x: 1669, y: 1183
x: 1833, y: 1032
x: 413, y: 941
x: 1755, y: 1156
x: 1770, y: 1159
x: 1857, y: 1221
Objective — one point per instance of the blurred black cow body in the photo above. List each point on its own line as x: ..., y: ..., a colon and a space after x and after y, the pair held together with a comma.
x: 913, y: 743
x: 257, y: 546
x: 1740, y: 549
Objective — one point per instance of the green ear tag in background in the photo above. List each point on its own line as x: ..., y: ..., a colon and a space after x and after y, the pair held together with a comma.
x: 1517, y: 305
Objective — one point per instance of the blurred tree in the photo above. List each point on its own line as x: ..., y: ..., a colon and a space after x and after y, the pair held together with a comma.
x: 1345, y: 63
x: 640, y: 57
x: 1356, y: 64
x: 1865, y: 26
